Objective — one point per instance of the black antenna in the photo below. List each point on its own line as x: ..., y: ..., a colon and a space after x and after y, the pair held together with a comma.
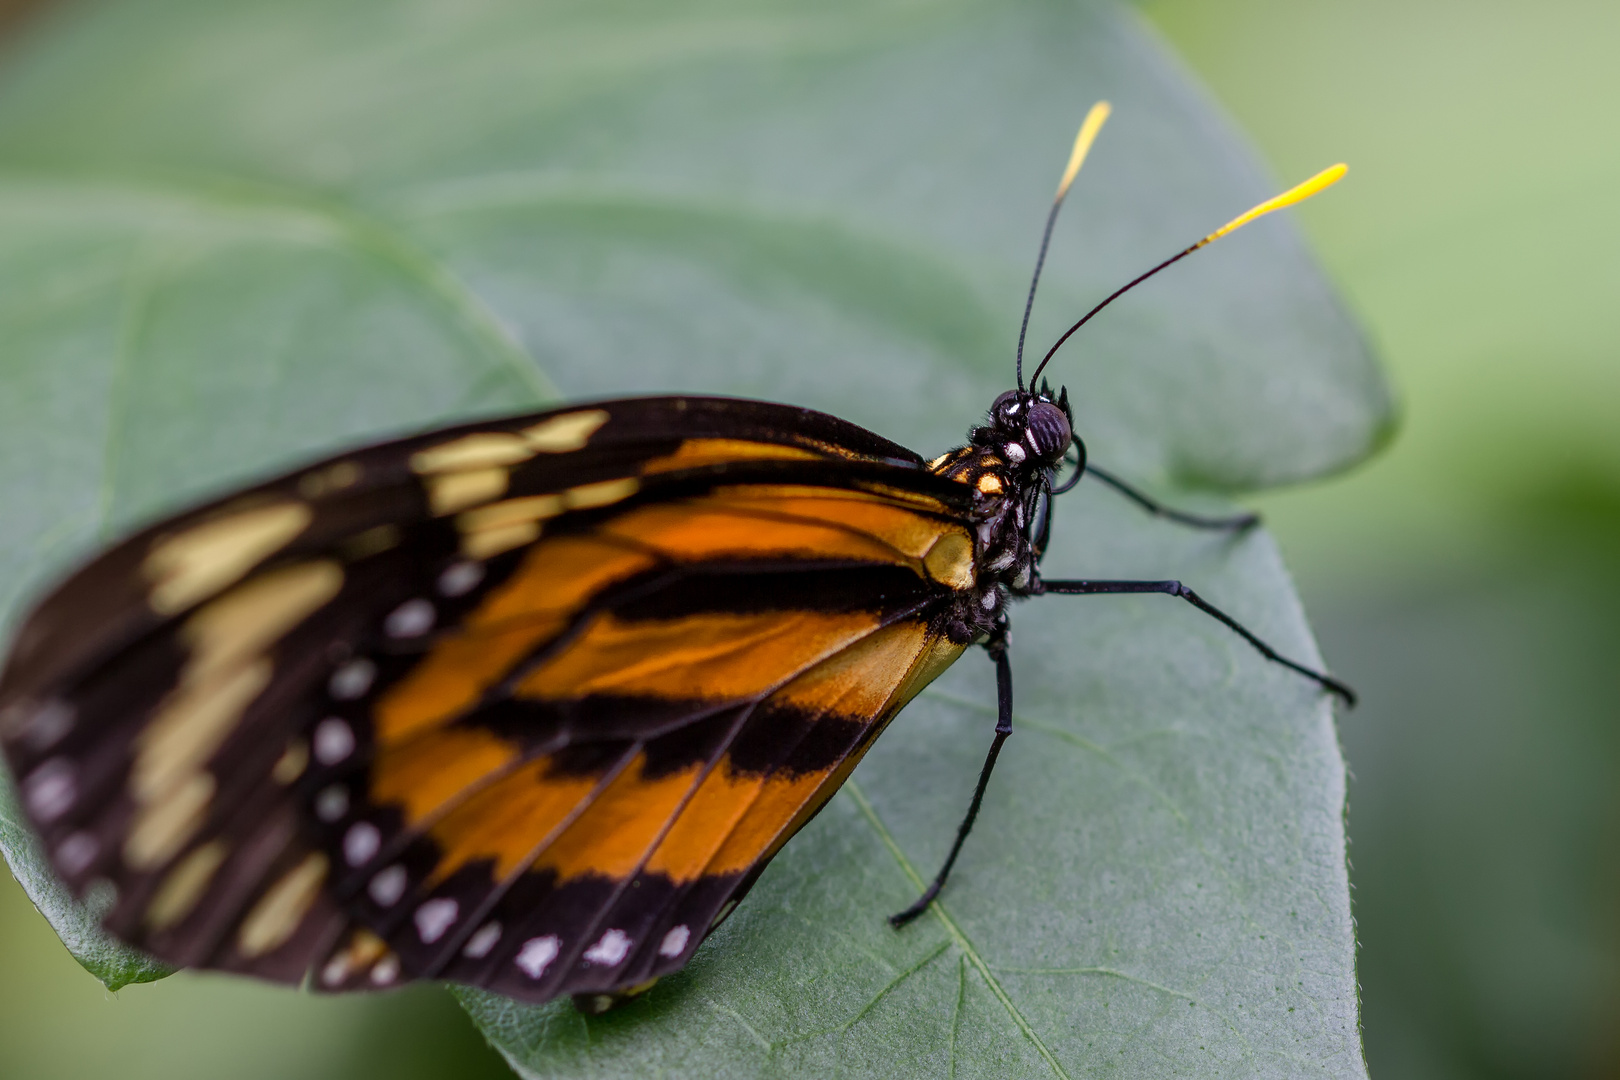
x: 1082, y: 145
x: 1299, y: 193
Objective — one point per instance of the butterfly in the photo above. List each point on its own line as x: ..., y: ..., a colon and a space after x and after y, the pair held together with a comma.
x: 528, y: 703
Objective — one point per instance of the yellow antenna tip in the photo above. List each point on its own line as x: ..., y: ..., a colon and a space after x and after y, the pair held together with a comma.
x: 1299, y: 193
x: 1082, y: 143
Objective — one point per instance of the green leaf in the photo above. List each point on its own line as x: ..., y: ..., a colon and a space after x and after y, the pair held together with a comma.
x: 77, y: 924
x: 234, y: 234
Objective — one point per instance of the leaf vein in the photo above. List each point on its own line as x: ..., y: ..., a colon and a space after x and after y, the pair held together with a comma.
x: 962, y: 942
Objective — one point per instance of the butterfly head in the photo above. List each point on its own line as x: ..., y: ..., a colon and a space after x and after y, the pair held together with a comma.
x: 1031, y: 426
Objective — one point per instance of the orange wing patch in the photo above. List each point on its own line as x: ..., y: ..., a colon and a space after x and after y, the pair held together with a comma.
x: 609, y: 824
x: 560, y: 575
x: 788, y: 801
x: 719, y: 656
x: 900, y: 526
x: 612, y: 837
x: 697, y: 453
x: 733, y: 818
x: 698, y: 532
x: 716, y: 807
x: 508, y: 820
x: 451, y: 679
x: 859, y: 681
x: 557, y: 578
x: 428, y: 773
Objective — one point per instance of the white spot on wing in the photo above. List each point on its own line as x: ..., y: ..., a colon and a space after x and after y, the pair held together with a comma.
x: 435, y: 917
x: 612, y: 948
x: 75, y: 854
x: 674, y: 942
x: 332, y: 803
x: 352, y: 680
x: 460, y: 578
x: 360, y: 843
x: 387, y: 886
x: 50, y: 790
x: 479, y: 945
x: 45, y: 728
x: 336, y: 970
x: 386, y: 971
x: 334, y: 740
x: 537, y: 955
x: 411, y: 619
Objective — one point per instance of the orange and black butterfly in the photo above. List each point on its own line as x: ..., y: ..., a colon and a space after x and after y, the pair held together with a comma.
x: 529, y: 703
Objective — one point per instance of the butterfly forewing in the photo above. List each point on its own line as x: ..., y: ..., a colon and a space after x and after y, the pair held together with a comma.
x: 523, y: 704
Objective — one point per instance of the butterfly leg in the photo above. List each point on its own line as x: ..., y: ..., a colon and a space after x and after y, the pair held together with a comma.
x: 997, y: 647
x: 1234, y: 523
x: 1176, y: 588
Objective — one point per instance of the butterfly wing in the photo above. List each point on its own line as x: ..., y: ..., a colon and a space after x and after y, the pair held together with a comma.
x: 521, y: 704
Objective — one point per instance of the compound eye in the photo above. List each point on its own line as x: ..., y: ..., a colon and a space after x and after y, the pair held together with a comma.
x: 1048, y: 430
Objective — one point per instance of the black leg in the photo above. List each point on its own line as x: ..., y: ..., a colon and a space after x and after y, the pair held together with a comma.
x: 1176, y: 588
x: 997, y: 647
x: 1158, y: 509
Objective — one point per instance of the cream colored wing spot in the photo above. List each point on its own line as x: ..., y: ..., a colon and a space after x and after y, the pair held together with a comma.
x: 192, y: 724
x: 457, y: 491
x: 478, y: 451
x: 184, y: 886
x: 470, y: 470
x: 338, y: 477
x: 950, y: 560
x: 570, y: 431
x: 162, y: 827
x: 226, y: 671
x: 373, y: 541
x: 283, y: 906
x: 488, y: 543
x: 603, y: 493
x: 990, y: 484
x: 487, y: 531
x: 490, y: 530
x: 510, y: 512
x: 245, y: 621
x: 292, y: 762
x: 190, y: 566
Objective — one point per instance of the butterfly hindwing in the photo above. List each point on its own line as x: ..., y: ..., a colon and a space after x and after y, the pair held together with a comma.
x: 630, y: 711
x: 521, y: 704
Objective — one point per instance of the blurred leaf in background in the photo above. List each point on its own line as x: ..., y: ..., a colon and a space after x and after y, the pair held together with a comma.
x: 234, y: 234
x: 1468, y: 582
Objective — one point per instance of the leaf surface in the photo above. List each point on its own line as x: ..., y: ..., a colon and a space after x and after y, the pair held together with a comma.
x: 236, y: 234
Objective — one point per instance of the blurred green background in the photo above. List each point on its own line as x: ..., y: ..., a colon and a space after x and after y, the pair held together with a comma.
x: 1466, y: 581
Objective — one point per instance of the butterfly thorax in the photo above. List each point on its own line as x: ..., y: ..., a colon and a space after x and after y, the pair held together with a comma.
x: 1009, y: 463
